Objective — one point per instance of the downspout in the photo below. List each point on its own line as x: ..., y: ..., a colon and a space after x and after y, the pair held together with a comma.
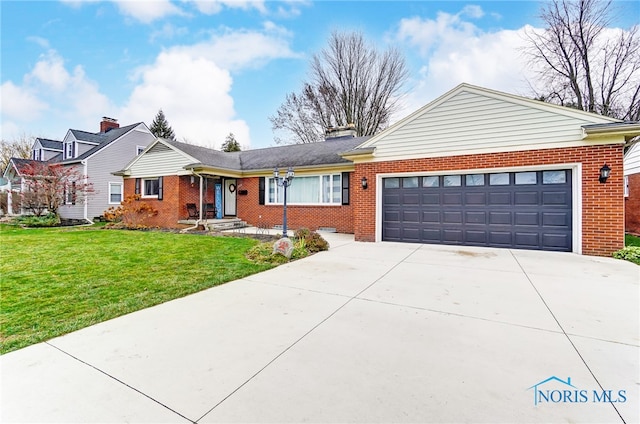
x: 199, y: 220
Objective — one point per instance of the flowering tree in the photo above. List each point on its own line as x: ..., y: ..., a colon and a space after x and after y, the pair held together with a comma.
x: 47, y: 186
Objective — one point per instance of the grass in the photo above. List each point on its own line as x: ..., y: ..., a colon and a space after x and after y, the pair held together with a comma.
x: 57, y: 280
x: 630, y: 240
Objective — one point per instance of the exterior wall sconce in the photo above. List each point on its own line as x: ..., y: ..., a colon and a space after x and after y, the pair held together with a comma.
x: 364, y: 183
x: 605, y: 171
x: 284, y: 182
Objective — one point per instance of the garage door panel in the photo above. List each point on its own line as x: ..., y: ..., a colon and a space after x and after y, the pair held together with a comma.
x: 475, y: 217
x: 452, y: 217
x: 529, y: 210
x: 499, y: 198
x: 526, y: 218
x: 475, y: 199
x: 452, y: 199
x: 526, y: 198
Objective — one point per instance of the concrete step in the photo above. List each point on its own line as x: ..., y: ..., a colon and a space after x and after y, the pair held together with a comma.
x: 227, y: 224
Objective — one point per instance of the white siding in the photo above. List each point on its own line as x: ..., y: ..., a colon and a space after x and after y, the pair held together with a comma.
x: 471, y: 120
x: 159, y: 161
x: 632, y: 160
x: 76, y: 211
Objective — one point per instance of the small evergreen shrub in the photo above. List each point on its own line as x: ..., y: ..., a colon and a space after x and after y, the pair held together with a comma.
x: 49, y: 220
x: 313, y: 241
x: 629, y: 253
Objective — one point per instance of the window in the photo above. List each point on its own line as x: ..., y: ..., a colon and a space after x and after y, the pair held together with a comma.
x: 36, y: 154
x: 526, y: 178
x: 71, y: 194
x: 392, y: 183
x: 451, y: 180
x: 68, y: 150
x: 499, y: 179
x: 554, y: 177
x: 410, y: 182
x: 139, y: 149
x: 115, y: 193
x: 150, y: 187
x: 317, y: 189
x: 474, y: 180
x: 430, y: 181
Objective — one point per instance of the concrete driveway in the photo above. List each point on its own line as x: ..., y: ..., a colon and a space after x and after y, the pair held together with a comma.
x: 363, y: 333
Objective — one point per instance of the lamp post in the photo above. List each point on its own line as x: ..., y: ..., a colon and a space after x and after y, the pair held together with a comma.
x: 284, y: 182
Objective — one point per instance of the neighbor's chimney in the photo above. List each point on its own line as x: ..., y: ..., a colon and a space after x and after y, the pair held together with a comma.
x: 108, y: 124
x: 348, y: 130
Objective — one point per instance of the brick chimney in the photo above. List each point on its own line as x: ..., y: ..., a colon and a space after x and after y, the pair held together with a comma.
x: 348, y: 130
x: 108, y: 124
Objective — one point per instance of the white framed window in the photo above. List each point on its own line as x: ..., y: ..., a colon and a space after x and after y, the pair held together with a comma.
x: 150, y: 187
x: 68, y: 150
x: 70, y: 195
x: 139, y: 149
x: 308, y: 190
x: 36, y: 154
x: 115, y: 193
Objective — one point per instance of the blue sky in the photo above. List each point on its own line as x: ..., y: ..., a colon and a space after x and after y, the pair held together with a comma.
x: 224, y: 66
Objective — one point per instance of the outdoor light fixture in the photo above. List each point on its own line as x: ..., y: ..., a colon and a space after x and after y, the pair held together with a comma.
x: 604, y: 173
x: 284, y: 182
x: 364, y: 182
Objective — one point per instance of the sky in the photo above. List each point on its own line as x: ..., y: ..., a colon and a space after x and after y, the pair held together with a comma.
x: 225, y: 66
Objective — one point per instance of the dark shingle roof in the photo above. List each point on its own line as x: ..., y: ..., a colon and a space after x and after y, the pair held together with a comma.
x: 50, y: 144
x: 21, y: 164
x: 295, y: 155
x: 105, y: 139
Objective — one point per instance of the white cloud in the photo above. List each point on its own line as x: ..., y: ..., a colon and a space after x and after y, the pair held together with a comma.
x: 193, y: 92
x: 455, y: 50
x: 211, y: 7
x: 147, y: 11
x: 65, y: 96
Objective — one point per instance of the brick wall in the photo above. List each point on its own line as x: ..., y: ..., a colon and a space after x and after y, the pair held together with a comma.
x: 632, y: 206
x: 602, y: 204
x: 312, y: 217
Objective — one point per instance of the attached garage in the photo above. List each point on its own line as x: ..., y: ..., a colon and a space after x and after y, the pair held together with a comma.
x: 526, y: 210
x: 477, y: 167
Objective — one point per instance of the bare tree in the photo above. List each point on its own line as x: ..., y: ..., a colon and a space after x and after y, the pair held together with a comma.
x: 583, y: 62
x: 350, y: 83
x: 19, y: 147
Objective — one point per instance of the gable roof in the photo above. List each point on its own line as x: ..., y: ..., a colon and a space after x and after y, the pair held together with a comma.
x: 49, y: 144
x: 475, y: 120
x: 19, y: 164
x: 104, y: 139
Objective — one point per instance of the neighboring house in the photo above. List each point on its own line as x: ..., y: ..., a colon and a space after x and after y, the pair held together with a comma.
x: 95, y: 156
x: 474, y: 167
x: 45, y: 149
x: 632, y: 189
x: 13, y: 174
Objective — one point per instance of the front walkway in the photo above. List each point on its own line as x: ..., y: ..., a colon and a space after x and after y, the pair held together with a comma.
x: 367, y: 332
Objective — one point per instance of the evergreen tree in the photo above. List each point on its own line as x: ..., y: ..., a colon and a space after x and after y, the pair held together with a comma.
x: 160, y: 127
x: 231, y: 144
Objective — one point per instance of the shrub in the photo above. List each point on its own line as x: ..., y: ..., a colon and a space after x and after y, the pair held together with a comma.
x: 49, y: 220
x: 313, y: 241
x: 629, y: 253
x: 131, y: 213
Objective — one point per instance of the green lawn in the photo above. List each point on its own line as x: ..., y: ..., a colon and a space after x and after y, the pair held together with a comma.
x: 54, y: 280
x: 630, y: 240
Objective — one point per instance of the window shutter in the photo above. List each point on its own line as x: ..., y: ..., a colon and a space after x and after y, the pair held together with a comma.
x: 345, y: 188
x: 138, y: 186
x: 261, y: 191
x: 73, y: 193
x: 159, y: 188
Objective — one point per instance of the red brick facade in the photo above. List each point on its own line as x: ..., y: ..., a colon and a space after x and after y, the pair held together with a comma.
x: 312, y: 217
x: 602, y: 204
x: 632, y: 205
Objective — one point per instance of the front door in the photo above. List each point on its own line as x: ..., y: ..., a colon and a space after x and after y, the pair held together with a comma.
x: 230, y: 197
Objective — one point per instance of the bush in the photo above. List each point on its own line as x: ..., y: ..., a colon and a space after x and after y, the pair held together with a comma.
x: 50, y: 220
x: 629, y: 253
x: 131, y: 214
x: 313, y: 241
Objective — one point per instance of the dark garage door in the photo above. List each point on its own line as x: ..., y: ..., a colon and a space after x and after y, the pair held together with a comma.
x: 525, y: 210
